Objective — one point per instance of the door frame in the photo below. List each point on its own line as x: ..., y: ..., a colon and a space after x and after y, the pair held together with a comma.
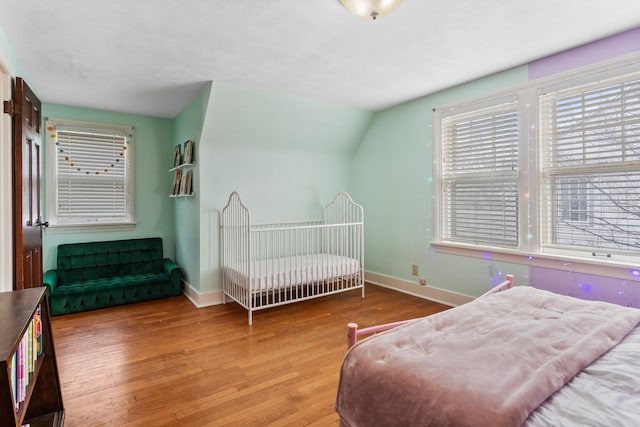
x: 6, y: 184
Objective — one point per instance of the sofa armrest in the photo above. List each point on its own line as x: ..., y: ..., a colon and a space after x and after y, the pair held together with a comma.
x: 174, y: 272
x: 50, y: 280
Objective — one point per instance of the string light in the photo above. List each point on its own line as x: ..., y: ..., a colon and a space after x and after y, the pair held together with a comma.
x: 88, y: 171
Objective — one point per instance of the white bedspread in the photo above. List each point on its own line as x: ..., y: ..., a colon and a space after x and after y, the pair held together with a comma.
x: 605, y: 393
x: 296, y: 270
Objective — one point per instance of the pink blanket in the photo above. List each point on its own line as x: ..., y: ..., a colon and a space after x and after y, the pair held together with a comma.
x: 487, y: 363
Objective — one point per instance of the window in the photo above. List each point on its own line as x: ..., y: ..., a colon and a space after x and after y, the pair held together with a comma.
x: 90, y: 174
x: 480, y: 175
x: 590, y: 164
x: 552, y: 167
x: 571, y: 196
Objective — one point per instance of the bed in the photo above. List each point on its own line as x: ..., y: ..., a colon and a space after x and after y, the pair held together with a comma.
x: 523, y: 356
x: 268, y: 265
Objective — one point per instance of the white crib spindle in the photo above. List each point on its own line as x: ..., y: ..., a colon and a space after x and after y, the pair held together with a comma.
x: 269, y: 265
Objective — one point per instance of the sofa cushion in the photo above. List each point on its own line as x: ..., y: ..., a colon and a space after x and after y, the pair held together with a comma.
x: 98, y: 293
x: 129, y: 280
x: 80, y: 262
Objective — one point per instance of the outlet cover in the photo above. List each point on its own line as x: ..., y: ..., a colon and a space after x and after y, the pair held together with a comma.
x: 414, y: 269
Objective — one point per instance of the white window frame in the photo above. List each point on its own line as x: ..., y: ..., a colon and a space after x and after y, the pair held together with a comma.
x: 589, y: 148
x: 531, y: 248
x: 60, y: 223
x: 489, y: 166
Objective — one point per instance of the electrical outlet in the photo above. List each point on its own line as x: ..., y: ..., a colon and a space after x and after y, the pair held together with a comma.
x: 414, y: 269
x: 423, y: 282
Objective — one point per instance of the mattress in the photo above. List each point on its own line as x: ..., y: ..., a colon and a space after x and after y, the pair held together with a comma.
x: 494, y: 361
x: 297, y: 270
x: 605, y: 393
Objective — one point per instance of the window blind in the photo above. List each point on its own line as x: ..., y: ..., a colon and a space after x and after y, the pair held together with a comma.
x: 480, y: 176
x: 590, y: 164
x: 91, y: 174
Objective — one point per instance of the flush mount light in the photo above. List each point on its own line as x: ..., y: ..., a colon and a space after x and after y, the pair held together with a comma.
x: 370, y: 9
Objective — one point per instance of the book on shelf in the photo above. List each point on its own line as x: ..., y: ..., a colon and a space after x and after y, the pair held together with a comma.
x: 14, y: 376
x: 188, y: 189
x: 185, y: 183
x: 188, y: 152
x: 24, y: 360
x: 176, y: 183
x: 29, y: 339
x: 177, y: 156
x: 38, y: 331
x: 19, y: 392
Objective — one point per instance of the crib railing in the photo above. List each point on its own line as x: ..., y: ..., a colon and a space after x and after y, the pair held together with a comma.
x: 273, y: 264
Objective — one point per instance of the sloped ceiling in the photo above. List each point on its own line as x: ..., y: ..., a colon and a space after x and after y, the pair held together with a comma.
x: 153, y: 56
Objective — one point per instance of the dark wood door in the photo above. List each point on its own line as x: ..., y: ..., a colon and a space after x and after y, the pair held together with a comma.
x: 27, y: 186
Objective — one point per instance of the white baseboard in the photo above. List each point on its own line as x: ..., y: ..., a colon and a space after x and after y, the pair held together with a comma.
x: 427, y: 292
x: 201, y: 300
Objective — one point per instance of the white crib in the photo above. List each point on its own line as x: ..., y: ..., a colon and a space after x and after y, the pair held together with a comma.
x: 274, y: 264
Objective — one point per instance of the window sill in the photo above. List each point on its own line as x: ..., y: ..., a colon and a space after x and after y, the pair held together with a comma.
x: 89, y: 228
x: 565, y: 263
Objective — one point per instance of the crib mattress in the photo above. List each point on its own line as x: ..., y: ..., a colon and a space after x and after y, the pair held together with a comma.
x: 297, y: 270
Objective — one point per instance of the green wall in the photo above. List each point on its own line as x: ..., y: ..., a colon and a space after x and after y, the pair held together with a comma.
x: 393, y: 179
x: 286, y: 156
x: 188, y: 125
x: 153, y: 157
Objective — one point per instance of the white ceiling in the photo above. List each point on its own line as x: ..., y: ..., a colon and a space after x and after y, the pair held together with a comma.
x: 153, y: 56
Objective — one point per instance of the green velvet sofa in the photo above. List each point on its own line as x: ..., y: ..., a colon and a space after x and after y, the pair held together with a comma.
x: 102, y: 274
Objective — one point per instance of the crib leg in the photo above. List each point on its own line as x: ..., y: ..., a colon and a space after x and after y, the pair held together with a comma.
x: 250, y: 317
x: 363, y: 290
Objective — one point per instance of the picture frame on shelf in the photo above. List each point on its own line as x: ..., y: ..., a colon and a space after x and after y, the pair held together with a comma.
x: 188, y: 152
x: 177, y: 156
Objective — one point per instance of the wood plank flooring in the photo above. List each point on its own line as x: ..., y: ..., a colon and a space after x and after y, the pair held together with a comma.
x: 167, y: 363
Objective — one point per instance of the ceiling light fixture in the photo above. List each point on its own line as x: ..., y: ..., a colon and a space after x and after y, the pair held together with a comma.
x: 370, y: 9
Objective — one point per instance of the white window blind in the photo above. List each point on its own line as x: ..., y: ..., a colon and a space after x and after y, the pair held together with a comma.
x: 93, y: 173
x: 479, y: 176
x: 590, y: 164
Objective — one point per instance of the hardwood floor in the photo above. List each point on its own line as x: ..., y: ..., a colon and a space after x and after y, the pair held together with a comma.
x: 167, y: 363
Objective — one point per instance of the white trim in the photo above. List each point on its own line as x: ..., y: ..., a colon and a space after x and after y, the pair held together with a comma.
x: 70, y: 225
x: 565, y: 263
x: 89, y: 228
x: 82, y: 125
x: 6, y: 187
x: 431, y: 293
x: 201, y: 300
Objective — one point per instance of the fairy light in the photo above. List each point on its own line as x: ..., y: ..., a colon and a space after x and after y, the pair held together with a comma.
x: 88, y: 171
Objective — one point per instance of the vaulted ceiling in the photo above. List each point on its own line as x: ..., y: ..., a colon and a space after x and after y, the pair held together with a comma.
x: 152, y: 56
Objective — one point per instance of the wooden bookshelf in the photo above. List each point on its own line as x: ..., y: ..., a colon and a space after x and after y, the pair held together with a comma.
x: 37, y: 400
